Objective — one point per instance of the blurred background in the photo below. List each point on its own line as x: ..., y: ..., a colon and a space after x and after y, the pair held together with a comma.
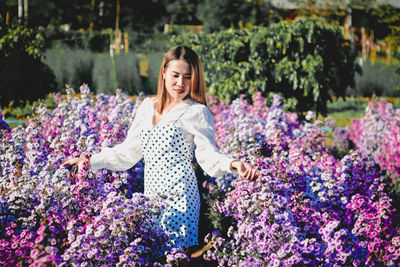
x: 313, y: 52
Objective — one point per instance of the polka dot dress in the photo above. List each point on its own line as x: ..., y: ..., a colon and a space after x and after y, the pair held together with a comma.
x: 168, y: 157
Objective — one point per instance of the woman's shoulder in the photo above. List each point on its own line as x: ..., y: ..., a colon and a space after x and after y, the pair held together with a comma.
x: 198, y: 110
x: 150, y: 99
x: 148, y: 102
x: 144, y: 106
x: 197, y: 106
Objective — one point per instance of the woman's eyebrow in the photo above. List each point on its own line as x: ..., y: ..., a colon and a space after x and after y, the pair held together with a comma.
x: 183, y: 74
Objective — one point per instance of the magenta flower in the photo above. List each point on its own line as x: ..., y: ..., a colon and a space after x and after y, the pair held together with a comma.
x: 314, y: 204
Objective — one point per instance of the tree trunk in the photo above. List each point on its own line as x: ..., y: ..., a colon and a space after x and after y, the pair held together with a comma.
x: 20, y: 10
x: 117, y: 34
x: 26, y: 10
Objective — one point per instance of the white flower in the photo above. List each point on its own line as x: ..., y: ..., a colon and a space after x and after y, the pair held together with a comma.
x: 89, y: 229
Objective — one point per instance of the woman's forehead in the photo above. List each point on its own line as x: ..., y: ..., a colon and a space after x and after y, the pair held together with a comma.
x: 179, y: 66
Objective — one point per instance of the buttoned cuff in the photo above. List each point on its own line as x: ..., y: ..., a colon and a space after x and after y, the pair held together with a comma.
x: 226, y: 165
x: 95, y: 162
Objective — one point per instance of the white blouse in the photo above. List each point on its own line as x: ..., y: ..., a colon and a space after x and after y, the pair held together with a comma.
x: 198, y: 126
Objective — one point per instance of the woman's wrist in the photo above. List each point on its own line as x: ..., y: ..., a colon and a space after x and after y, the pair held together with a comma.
x: 86, y: 155
x: 233, y: 165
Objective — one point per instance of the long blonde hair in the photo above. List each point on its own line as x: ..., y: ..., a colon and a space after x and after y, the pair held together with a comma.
x: 197, y: 86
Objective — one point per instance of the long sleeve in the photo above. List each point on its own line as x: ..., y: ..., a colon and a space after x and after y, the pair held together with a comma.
x: 199, y: 123
x: 125, y: 155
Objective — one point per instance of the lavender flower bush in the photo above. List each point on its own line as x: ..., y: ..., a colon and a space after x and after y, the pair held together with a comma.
x: 306, y: 208
x: 51, y: 217
x: 378, y: 134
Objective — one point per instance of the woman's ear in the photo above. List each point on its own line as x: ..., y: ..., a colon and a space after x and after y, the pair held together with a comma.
x: 163, y: 71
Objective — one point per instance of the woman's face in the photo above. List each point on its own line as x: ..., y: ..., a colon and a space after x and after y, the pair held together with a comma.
x: 177, y: 78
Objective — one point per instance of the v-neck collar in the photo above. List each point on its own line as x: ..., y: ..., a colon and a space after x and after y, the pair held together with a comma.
x: 166, y: 113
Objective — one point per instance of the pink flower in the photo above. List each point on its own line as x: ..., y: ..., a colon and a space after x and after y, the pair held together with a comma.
x: 41, y: 229
x: 39, y: 239
x: 34, y: 253
x: 9, y: 232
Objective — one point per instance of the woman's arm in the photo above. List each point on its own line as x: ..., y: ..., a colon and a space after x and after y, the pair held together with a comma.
x: 200, y: 124
x: 122, y: 156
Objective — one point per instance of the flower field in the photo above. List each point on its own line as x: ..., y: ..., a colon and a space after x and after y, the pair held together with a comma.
x: 312, y: 205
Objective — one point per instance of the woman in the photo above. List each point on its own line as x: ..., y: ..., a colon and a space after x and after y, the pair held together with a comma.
x: 167, y: 131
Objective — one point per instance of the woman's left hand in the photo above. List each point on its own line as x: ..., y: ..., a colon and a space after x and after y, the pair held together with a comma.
x: 245, y: 170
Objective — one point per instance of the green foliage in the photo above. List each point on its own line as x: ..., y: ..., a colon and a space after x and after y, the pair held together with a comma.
x: 349, y: 104
x: 306, y: 61
x: 23, y: 76
x: 158, y: 42
x: 25, y: 110
x: 331, y: 9
x: 56, y: 12
x: 127, y: 73
x: 385, y: 21
x: 154, y: 65
x: 96, y: 41
x: 143, y: 15
x: 71, y: 66
x: 377, y: 79
x: 22, y: 39
x: 103, y: 76
x: 223, y: 14
x: 183, y: 12
x: 77, y: 66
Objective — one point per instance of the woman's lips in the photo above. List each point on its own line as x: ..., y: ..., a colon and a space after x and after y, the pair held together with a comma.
x: 180, y: 91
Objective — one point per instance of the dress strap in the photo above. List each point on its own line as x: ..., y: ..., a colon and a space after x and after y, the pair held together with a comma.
x: 179, y: 117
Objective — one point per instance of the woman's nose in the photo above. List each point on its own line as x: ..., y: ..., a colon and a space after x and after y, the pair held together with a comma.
x: 180, y: 81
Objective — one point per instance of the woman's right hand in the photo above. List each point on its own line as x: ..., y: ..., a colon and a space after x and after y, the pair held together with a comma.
x: 245, y: 170
x: 79, y: 162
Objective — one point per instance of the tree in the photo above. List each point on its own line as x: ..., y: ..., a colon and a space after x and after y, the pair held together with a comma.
x: 183, y: 12
x: 222, y: 14
x: 306, y: 61
x: 143, y: 15
x: 332, y: 10
x: 43, y: 13
x: 385, y: 21
x: 23, y: 76
x: 96, y: 14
